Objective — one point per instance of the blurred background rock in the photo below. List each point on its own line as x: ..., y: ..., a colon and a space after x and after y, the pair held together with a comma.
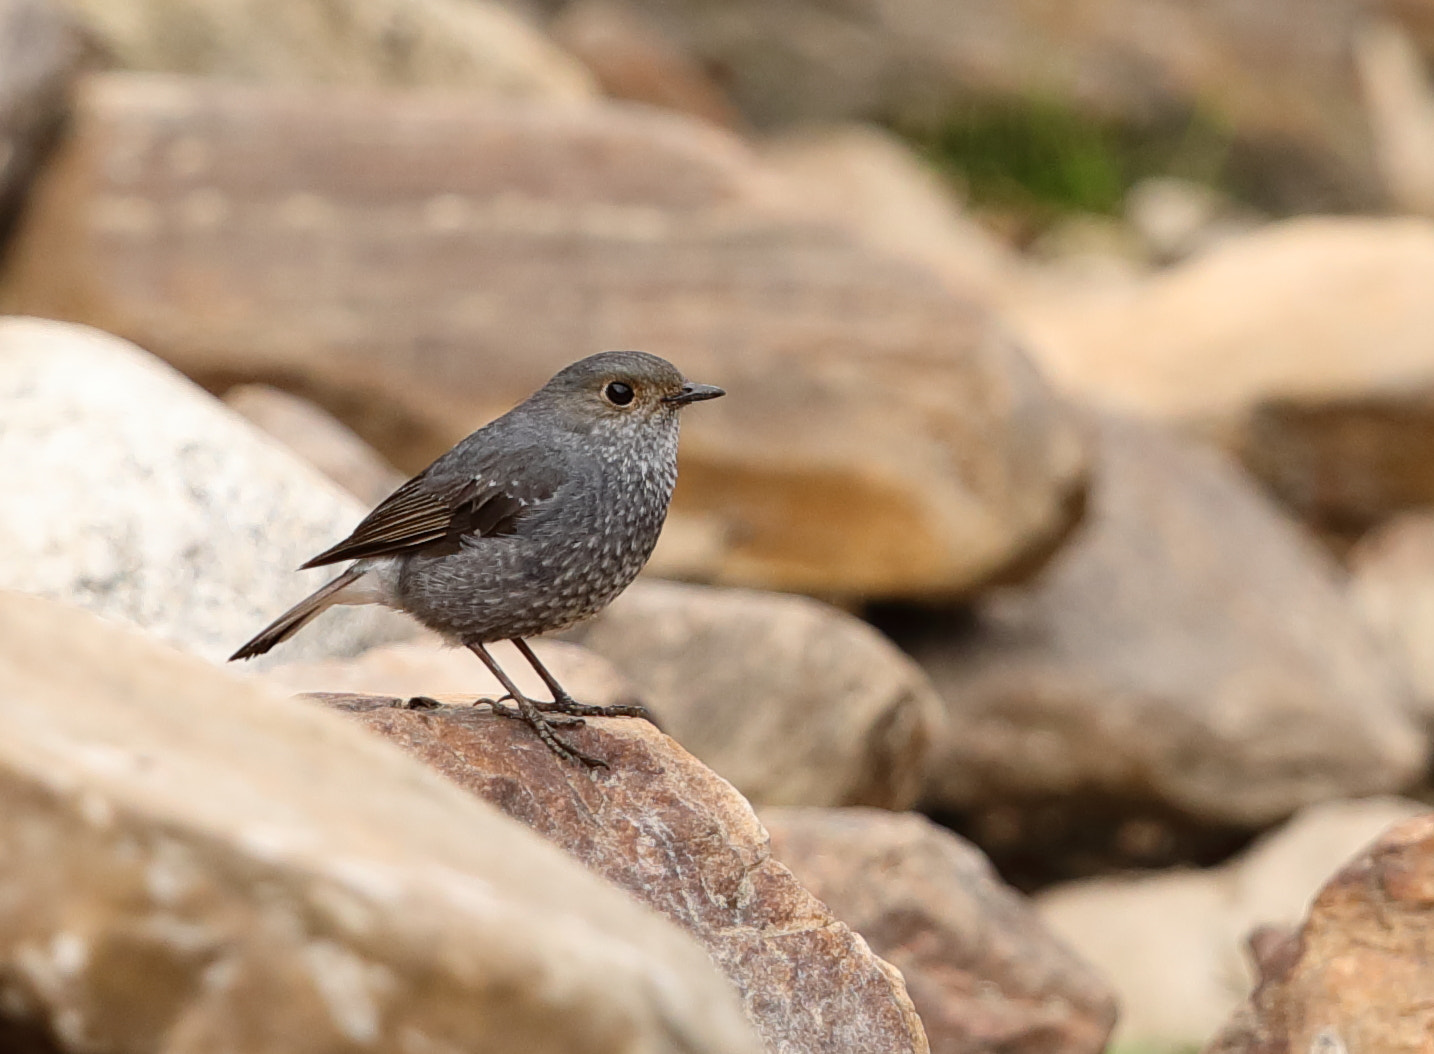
x: 1075, y: 486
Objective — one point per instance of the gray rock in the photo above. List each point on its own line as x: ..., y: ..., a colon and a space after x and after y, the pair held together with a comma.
x: 795, y: 702
x: 135, y: 494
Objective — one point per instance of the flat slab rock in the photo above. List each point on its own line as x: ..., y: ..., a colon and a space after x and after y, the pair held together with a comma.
x: 667, y: 829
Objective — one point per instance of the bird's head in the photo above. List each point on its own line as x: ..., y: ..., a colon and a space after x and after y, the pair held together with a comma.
x: 618, y: 390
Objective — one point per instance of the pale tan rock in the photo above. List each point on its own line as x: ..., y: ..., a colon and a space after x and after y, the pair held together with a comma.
x: 1190, y: 657
x: 1306, y: 347
x: 194, y: 864
x: 469, y: 44
x: 319, y: 438
x: 983, y: 971
x: 429, y: 667
x: 1392, y: 586
x: 795, y: 702
x: 678, y: 838
x: 140, y: 497
x: 1400, y: 99
x: 420, y: 264
x: 1172, y: 943
x: 1355, y: 976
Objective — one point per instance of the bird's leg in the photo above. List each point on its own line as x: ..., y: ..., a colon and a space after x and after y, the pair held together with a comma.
x: 529, y: 713
x: 563, y: 703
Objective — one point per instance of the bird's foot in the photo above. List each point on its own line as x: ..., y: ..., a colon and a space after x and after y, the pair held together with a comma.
x: 542, y: 725
x: 566, y: 704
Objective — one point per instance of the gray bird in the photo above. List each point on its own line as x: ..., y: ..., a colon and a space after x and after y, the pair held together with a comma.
x: 533, y: 523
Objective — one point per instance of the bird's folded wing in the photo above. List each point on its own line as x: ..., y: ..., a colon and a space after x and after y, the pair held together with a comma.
x: 439, y: 506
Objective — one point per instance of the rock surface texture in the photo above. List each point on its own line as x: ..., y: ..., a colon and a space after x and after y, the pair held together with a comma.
x: 677, y: 837
x: 418, y: 264
x: 137, y: 495
x: 1356, y: 976
x: 1306, y: 348
x: 795, y: 702
x: 193, y: 864
x: 984, y: 972
x: 1189, y: 652
x: 1173, y: 944
x: 470, y: 44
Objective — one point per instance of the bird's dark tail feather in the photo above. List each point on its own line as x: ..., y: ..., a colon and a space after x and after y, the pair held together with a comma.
x: 298, y: 616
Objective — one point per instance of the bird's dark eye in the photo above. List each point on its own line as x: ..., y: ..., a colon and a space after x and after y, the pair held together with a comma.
x: 618, y: 394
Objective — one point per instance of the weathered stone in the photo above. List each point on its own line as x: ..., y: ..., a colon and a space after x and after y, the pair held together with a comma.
x: 432, y: 668
x: 1356, y: 976
x: 193, y: 864
x: 632, y: 59
x: 678, y: 838
x: 795, y: 702
x: 1173, y: 943
x: 319, y: 438
x: 1276, y: 76
x: 417, y: 264
x: 40, y: 53
x: 137, y: 495
x: 983, y: 971
x: 469, y: 44
x: 1307, y: 348
x: 1189, y: 662
x: 1393, y: 588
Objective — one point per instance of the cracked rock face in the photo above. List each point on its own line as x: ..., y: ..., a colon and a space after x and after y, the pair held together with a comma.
x: 664, y: 827
x: 193, y: 864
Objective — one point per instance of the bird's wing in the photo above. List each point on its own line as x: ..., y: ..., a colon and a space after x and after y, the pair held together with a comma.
x: 442, y: 504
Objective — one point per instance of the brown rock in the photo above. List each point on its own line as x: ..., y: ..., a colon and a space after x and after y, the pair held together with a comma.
x: 1356, y: 977
x: 633, y: 59
x: 1393, y: 588
x: 319, y: 438
x: 1149, y: 683
x: 795, y: 702
x: 677, y: 837
x: 984, y: 972
x: 1306, y: 348
x: 40, y: 53
x: 418, y: 263
x: 470, y: 44
x: 194, y: 864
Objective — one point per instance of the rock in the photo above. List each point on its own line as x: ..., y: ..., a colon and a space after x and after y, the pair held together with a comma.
x: 143, y: 499
x: 1306, y: 348
x: 795, y: 702
x: 195, y: 864
x: 1393, y: 588
x: 1187, y: 665
x: 632, y: 59
x: 1356, y: 976
x: 1173, y: 943
x: 1275, y: 77
x: 862, y: 176
x: 984, y: 972
x: 418, y: 264
x: 319, y: 438
x: 1400, y: 100
x: 678, y: 838
x: 40, y: 53
x: 1177, y: 218
x: 432, y: 668
x: 468, y: 44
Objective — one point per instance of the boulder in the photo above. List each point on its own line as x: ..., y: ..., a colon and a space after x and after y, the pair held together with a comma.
x: 1188, y: 665
x: 1355, y: 976
x: 41, y: 51
x: 470, y: 44
x: 1172, y: 944
x: 140, y: 497
x: 196, y: 864
x: 1276, y: 78
x: 680, y: 839
x: 418, y: 264
x: 1392, y: 586
x: 1306, y: 348
x: 319, y: 438
x: 983, y: 970
x: 795, y: 702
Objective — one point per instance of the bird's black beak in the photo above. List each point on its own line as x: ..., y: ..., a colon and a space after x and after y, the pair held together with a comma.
x: 693, y: 393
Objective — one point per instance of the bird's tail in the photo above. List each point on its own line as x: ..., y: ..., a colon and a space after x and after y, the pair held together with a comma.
x: 298, y: 616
